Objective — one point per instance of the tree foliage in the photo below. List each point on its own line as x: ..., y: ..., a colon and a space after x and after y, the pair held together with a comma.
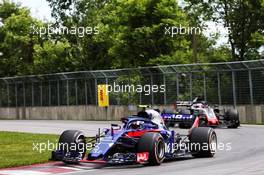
x: 131, y: 33
x: 16, y: 43
x: 244, y: 19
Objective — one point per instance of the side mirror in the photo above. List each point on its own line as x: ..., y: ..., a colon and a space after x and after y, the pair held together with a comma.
x: 106, y: 130
x: 115, y: 126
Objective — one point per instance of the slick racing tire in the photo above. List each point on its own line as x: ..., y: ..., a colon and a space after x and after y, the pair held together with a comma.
x: 203, y: 142
x: 72, y: 141
x: 154, y: 144
x: 232, y: 117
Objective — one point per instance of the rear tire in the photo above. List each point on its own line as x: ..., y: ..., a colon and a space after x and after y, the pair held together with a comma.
x: 154, y: 144
x: 203, y: 142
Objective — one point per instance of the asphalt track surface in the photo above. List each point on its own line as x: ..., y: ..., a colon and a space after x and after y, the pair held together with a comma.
x: 245, y: 158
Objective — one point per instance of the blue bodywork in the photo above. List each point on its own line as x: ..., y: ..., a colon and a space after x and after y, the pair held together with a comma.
x: 177, y: 116
x: 119, y: 136
x: 118, y: 144
x: 172, y: 118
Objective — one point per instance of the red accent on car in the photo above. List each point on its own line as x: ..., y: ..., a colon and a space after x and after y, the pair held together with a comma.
x: 195, y: 124
x: 142, y: 157
x: 213, y: 121
x: 140, y: 133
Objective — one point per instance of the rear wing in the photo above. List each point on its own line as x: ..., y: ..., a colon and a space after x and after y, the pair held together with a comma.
x: 172, y: 119
x: 144, y: 106
x: 184, y: 103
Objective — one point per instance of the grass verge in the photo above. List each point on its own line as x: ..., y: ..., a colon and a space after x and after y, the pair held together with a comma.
x: 17, y: 149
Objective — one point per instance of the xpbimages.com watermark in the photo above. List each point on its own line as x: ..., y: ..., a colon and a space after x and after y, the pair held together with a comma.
x: 127, y: 88
x: 173, y: 31
x: 61, y: 30
x: 82, y: 147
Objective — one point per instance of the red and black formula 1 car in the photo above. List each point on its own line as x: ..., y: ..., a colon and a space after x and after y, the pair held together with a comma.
x: 141, y: 140
x: 188, y: 112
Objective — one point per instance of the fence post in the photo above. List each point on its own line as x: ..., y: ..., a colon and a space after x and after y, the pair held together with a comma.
x: 49, y: 94
x: 204, y: 84
x: 219, y: 88
x: 16, y: 93
x: 58, y: 92
x: 129, y: 92
x: 251, y: 87
x: 234, y: 88
x: 191, y: 97
x: 95, y: 88
x: 24, y: 95
x: 0, y: 95
x: 32, y: 94
x: 8, y: 95
x: 106, y: 82
x: 41, y: 89
x: 177, y: 86
x: 164, y: 95
x: 76, y: 92
x: 85, y: 89
x: 152, y: 96
x: 67, y: 92
x: 140, y: 93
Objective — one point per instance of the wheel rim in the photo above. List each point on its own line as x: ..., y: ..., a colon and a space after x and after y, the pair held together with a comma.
x: 81, y: 149
x: 213, y: 143
x: 160, y: 150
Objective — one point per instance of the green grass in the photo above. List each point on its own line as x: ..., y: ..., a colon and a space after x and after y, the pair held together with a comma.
x: 16, y: 149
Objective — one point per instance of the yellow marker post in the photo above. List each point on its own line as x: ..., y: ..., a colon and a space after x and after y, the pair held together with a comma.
x: 103, y: 96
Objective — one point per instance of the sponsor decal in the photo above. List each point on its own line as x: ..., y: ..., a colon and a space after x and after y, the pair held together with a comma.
x: 103, y: 96
x: 177, y: 116
x: 142, y: 157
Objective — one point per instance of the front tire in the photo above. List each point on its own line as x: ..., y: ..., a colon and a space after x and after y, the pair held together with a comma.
x: 232, y: 117
x: 154, y: 144
x: 72, y: 141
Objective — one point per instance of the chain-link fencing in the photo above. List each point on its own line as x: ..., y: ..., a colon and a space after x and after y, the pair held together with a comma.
x: 229, y: 83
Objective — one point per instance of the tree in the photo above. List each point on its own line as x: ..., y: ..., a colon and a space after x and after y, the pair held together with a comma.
x: 89, y: 52
x: 242, y: 18
x: 16, y: 41
x: 24, y: 50
x: 131, y: 32
x: 139, y: 33
x: 53, y: 57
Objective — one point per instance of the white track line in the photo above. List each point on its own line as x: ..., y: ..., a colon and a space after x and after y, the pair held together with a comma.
x: 70, y: 168
x: 22, y: 172
x: 75, y: 172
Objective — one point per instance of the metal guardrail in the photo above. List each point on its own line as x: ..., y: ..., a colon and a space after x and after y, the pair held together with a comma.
x: 221, y: 83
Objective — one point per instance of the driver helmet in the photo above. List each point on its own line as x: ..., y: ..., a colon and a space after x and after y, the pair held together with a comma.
x: 137, y: 125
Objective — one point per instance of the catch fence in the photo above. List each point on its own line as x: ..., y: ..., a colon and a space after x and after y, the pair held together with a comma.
x: 228, y: 83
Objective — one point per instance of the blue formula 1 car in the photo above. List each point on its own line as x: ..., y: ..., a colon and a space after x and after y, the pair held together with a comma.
x: 138, y: 141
